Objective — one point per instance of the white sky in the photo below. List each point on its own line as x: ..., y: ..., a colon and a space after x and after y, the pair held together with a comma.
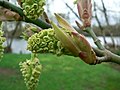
x: 58, y: 6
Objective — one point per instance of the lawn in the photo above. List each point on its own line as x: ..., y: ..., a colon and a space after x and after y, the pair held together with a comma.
x: 59, y: 73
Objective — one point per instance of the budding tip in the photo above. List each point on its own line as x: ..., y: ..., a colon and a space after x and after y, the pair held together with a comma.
x: 55, y: 14
x: 82, y: 55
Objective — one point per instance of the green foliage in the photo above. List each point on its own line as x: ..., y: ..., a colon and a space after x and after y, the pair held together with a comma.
x: 31, y: 70
x: 33, y: 8
x: 59, y: 73
x: 46, y: 42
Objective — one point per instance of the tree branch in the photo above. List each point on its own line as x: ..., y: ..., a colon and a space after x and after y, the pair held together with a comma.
x: 96, y: 40
x: 72, y: 11
x: 99, y: 23
x: 109, y: 57
x: 14, y: 8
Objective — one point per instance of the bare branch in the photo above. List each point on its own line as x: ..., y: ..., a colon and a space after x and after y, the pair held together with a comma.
x: 72, y: 11
x: 107, y: 21
x: 99, y: 23
x: 105, y: 12
x: 109, y: 57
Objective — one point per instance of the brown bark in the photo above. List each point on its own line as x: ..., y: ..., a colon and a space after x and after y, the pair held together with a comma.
x: 7, y: 15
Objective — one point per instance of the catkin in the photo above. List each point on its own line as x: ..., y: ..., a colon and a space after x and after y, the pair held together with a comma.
x: 46, y: 42
x: 31, y: 70
x: 2, y: 40
x: 33, y: 8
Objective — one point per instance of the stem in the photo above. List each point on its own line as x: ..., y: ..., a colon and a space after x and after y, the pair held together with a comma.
x: 95, y: 38
x: 33, y: 55
x: 109, y: 57
x: 113, y: 57
x: 14, y: 8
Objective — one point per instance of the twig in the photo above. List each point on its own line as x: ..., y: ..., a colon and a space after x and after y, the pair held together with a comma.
x: 109, y: 57
x: 99, y: 23
x: 14, y: 8
x: 96, y: 40
x: 72, y: 11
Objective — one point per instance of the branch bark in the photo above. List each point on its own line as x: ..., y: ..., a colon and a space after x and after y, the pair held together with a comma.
x: 108, y: 56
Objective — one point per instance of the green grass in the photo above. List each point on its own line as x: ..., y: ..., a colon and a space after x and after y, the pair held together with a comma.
x: 59, y: 73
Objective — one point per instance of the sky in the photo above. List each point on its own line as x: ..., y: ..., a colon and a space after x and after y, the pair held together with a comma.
x: 110, y: 4
x: 58, y: 6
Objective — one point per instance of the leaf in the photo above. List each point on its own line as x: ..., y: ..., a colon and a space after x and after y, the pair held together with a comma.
x: 86, y: 54
x: 66, y: 40
x: 73, y: 41
x: 63, y: 23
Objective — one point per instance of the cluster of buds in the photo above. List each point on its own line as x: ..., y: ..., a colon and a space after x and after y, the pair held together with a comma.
x: 73, y: 41
x: 31, y: 70
x: 62, y: 40
x: 2, y: 40
x: 46, y: 42
x: 85, y: 12
x: 33, y: 8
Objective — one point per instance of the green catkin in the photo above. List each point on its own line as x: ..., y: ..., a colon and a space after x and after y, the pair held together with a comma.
x: 2, y: 40
x: 46, y: 42
x: 33, y: 8
x: 31, y: 70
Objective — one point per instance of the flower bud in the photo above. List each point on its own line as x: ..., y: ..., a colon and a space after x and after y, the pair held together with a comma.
x: 73, y: 41
x: 33, y: 8
x: 85, y: 12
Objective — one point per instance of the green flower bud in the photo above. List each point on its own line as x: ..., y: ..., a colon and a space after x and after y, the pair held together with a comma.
x: 73, y: 41
x: 33, y: 8
x: 46, y: 42
x: 27, y: 8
